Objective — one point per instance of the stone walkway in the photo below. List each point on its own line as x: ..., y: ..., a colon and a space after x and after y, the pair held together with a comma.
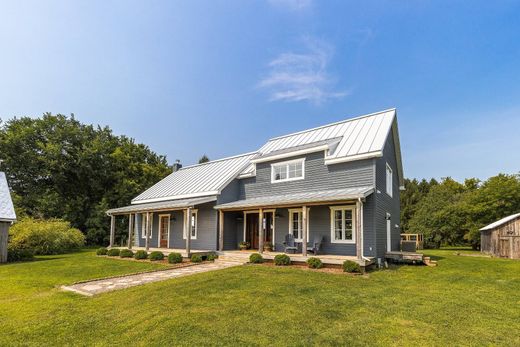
x: 107, y: 285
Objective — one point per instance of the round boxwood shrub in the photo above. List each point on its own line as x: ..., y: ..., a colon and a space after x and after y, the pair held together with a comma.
x: 174, y: 258
x: 282, y: 259
x: 314, y: 263
x: 102, y: 251
x: 351, y: 266
x: 156, y: 255
x: 113, y: 252
x: 195, y: 258
x: 211, y: 257
x: 256, y: 258
x: 126, y: 253
x: 141, y: 254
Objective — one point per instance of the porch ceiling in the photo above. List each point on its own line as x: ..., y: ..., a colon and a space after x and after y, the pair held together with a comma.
x: 300, y: 198
x: 162, y: 205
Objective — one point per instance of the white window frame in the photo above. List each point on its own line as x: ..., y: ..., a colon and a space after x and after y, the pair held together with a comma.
x: 159, y: 230
x: 143, y: 225
x: 389, y: 180
x: 333, y: 209
x: 196, y: 220
x: 286, y: 164
x: 300, y: 218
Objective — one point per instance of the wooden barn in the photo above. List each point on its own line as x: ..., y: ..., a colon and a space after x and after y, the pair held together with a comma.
x: 502, y: 238
x: 7, y: 216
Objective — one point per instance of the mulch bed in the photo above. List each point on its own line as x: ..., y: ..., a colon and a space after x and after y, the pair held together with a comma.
x: 332, y: 269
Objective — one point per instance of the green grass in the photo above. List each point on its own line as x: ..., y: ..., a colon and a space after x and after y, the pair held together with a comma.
x: 464, y: 301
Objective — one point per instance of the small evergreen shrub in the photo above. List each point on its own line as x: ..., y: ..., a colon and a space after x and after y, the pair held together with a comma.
x: 16, y: 252
x: 113, y: 252
x: 195, y: 258
x: 126, y: 253
x: 211, y: 257
x: 102, y: 251
x: 351, y: 266
x: 156, y: 255
x: 282, y: 260
x: 256, y: 258
x: 314, y: 263
x: 141, y: 254
x: 174, y: 258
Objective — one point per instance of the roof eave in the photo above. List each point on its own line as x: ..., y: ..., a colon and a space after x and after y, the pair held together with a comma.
x: 376, y: 154
x: 176, y: 197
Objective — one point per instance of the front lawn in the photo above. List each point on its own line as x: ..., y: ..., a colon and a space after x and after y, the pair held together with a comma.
x: 463, y: 301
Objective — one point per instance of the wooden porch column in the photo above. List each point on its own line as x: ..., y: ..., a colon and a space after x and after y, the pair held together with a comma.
x: 304, y: 230
x: 220, y: 230
x: 187, y: 227
x: 130, y: 229
x: 261, y: 230
x: 112, y: 230
x: 358, y: 230
x: 147, y: 230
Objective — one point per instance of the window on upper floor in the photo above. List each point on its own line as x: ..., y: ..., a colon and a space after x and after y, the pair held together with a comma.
x: 389, y: 179
x: 288, y: 171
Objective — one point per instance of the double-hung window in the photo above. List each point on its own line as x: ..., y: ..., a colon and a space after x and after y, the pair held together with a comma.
x: 342, y: 224
x: 389, y: 179
x: 143, y: 225
x: 193, y: 225
x: 296, y: 223
x: 288, y: 171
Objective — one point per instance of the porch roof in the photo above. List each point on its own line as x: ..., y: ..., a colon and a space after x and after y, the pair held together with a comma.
x: 161, y: 205
x: 300, y: 198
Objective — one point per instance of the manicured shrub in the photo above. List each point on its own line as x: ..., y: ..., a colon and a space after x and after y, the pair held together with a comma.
x: 113, y: 252
x: 126, y: 253
x: 211, y: 257
x: 282, y: 259
x: 195, y: 258
x: 16, y: 252
x: 53, y: 236
x: 102, y: 251
x: 314, y: 263
x: 174, y: 258
x: 141, y: 254
x: 351, y: 266
x: 156, y: 255
x: 256, y: 258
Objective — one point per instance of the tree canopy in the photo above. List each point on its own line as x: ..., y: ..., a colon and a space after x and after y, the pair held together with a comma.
x: 203, y: 159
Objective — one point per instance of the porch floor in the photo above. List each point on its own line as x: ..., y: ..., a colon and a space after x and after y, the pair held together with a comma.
x: 330, y: 259
x: 167, y: 251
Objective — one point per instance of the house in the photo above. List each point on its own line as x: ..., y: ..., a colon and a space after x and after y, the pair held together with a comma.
x: 336, y: 185
x: 7, y: 216
x: 502, y: 238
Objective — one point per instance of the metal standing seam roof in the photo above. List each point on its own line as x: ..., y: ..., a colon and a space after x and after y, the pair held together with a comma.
x: 500, y: 222
x: 197, y: 180
x: 300, y: 198
x: 7, y: 213
x: 161, y: 205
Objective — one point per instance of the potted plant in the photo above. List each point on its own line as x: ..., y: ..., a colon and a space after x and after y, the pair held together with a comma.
x: 244, y: 245
x: 268, y: 247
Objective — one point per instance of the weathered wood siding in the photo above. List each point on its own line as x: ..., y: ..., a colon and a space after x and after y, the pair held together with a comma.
x: 503, y: 241
x: 4, y: 234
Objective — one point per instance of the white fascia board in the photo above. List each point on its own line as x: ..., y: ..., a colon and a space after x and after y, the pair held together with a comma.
x: 377, y: 154
x: 3, y: 220
x: 291, y: 154
x: 176, y: 197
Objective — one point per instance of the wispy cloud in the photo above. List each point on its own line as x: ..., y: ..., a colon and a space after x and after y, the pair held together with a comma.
x: 302, y: 76
x: 293, y: 5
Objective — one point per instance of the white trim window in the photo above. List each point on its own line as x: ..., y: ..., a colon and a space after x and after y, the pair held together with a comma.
x: 389, y: 180
x: 194, y: 225
x: 295, y: 224
x: 288, y: 171
x: 343, y: 224
x: 143, y: 225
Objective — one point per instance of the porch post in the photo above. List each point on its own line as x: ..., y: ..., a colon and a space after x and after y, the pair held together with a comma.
x: 130, y: 229
x: 187, y: 227
x: 261, y: 230
x: 304, y: 231
x: 147, y: 230
x: 221, y: 230
x: 358, y: 230
x: 112, y: 230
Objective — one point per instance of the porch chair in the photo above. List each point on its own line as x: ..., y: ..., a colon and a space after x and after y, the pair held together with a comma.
x: 289, y: 244
x: 316, y: 245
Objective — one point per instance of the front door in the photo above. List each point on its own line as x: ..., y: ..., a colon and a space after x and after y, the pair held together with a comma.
x: 164, y: 229
x: 252, y: 229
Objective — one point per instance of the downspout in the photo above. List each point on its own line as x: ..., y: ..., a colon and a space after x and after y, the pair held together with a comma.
x: 362, y: 231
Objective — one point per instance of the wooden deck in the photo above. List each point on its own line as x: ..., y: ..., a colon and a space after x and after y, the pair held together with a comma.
x: 405, y: 257
x: 330, y: 259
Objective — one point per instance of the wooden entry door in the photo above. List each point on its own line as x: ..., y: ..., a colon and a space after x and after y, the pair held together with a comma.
x: 164, y: 230
x: 252, y: 230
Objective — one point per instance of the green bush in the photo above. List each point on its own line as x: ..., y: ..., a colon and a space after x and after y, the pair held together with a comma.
x: 113, y: 252
x: 211, y: 257
x: 126, y: 253
x: 156, y: 255
x: 351, y: 266
x: 195, y: 258
x: 282, y: 259
x: 314, y: 263
x: 141, y: 254
x: 256, y: 258
x: 102, y: 251
x: 174, y: 258
x: 16, y: 252
x: 52, y: 236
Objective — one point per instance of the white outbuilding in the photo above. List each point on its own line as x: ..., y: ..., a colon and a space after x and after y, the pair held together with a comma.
x: 7, y: 216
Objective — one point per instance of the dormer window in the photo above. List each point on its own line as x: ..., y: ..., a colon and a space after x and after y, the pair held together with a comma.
x: 288, y: 171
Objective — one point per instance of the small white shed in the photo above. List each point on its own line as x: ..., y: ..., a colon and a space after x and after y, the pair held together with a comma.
x: 7, y: 216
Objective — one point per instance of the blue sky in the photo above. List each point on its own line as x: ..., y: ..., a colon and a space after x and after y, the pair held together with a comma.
x: 221, y: 77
